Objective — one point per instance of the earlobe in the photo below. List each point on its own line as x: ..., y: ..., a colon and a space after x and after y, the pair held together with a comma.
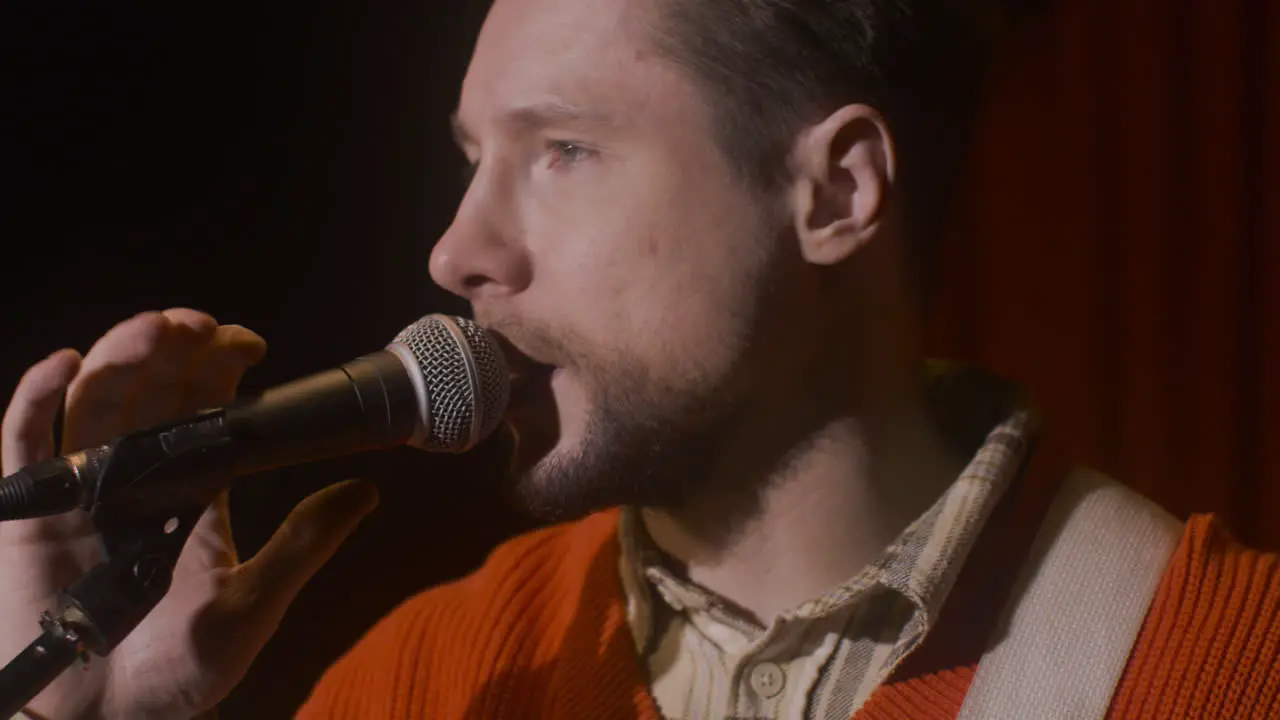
x: 845, y: 169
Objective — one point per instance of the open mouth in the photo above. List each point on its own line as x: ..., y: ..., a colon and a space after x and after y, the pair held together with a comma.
x: 529, y: 377
x: 532, y: 414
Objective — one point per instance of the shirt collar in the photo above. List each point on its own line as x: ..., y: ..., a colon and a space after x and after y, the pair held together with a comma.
x: 984, y: 417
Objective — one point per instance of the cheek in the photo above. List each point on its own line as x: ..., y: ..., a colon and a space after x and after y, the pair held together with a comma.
x: 695, y: 278
x: 649, y: 266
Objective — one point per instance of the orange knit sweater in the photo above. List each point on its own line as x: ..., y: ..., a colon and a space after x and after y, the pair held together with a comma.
x: 540, y: 632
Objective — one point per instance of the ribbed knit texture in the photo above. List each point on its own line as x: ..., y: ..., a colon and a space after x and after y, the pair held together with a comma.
x: 1210, y: 647
x: 540, y: 632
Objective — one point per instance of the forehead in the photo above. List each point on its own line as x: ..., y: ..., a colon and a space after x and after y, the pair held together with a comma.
x: 594, y: 53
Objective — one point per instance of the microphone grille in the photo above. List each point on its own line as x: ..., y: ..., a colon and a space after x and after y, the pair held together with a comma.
x: 466, y: 379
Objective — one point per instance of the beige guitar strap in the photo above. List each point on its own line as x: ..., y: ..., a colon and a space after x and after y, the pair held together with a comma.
x: 1068, y: 630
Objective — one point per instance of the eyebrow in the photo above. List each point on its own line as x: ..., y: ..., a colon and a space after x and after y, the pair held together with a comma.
x: 540, y: 115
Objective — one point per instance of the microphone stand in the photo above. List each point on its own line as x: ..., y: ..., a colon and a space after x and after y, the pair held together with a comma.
x: 141, y: 549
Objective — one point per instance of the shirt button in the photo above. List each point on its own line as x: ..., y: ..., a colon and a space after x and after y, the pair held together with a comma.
x: 767, y: 679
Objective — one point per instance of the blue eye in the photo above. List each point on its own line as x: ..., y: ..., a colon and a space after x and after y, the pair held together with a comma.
x: 566, y: 152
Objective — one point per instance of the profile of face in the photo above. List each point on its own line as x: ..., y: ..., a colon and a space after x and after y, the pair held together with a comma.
x: 640, y: 284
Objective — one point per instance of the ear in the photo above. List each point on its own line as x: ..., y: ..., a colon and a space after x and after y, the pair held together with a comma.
x: 844, y: 172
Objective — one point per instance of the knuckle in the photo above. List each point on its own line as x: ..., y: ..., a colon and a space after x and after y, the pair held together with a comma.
x: 30, y: 378
x: 239, y: 346
x: 13, y: 420
x: 132, y: 341
x: 24, y: 396
x: 195, y: 323
x: 42, y: 379
x: 152, y: 329
x: 189, y: 314
x: 297, y: 538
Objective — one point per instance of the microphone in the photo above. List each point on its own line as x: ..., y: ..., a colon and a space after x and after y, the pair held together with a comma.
x: 441, y: 385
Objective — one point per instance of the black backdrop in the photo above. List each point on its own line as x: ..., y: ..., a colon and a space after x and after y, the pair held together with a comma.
x: 287, y: 169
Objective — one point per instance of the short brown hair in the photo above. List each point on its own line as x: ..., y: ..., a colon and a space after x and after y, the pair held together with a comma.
x: 773, y: 66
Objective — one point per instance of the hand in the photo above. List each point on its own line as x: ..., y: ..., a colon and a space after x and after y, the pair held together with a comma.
x: 189, y: 652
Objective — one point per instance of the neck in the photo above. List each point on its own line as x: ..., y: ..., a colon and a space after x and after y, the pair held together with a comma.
x: 848, y: 483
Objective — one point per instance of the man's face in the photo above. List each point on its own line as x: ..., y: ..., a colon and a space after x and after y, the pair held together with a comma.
x: 606, y: 237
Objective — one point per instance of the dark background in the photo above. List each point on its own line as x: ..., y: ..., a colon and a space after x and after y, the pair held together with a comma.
x: 289, y: 170
x: 283, y: 169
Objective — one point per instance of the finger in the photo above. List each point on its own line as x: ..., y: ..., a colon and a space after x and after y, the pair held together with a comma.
x: 157, y: 393
x: 98, y: 398
x: 212, y: 377
x: 216, y: 368
x: 308, y: 538
x: 210, y: 546
x: 217, y: 521
x: 26, y: 434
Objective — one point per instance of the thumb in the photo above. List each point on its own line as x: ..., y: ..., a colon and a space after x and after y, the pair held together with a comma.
x: 308, y: 538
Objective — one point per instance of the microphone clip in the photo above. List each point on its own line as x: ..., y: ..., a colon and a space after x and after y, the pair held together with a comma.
x: 146, y: 491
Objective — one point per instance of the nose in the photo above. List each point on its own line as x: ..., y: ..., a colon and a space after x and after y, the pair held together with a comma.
x: 481, y: 254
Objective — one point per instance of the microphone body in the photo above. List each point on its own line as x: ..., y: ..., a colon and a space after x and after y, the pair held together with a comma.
x: 392, y: 397
x: 367, y: 404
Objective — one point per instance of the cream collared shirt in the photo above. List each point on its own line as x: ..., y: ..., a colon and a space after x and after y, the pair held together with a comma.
x: 823, y: 659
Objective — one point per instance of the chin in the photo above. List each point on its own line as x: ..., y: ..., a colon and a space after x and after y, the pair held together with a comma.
x: 551, y: 489
x: 589, y: 446
x: 622, y: 465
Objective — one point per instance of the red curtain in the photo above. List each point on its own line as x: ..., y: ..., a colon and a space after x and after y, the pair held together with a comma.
x: 1118, y: 250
